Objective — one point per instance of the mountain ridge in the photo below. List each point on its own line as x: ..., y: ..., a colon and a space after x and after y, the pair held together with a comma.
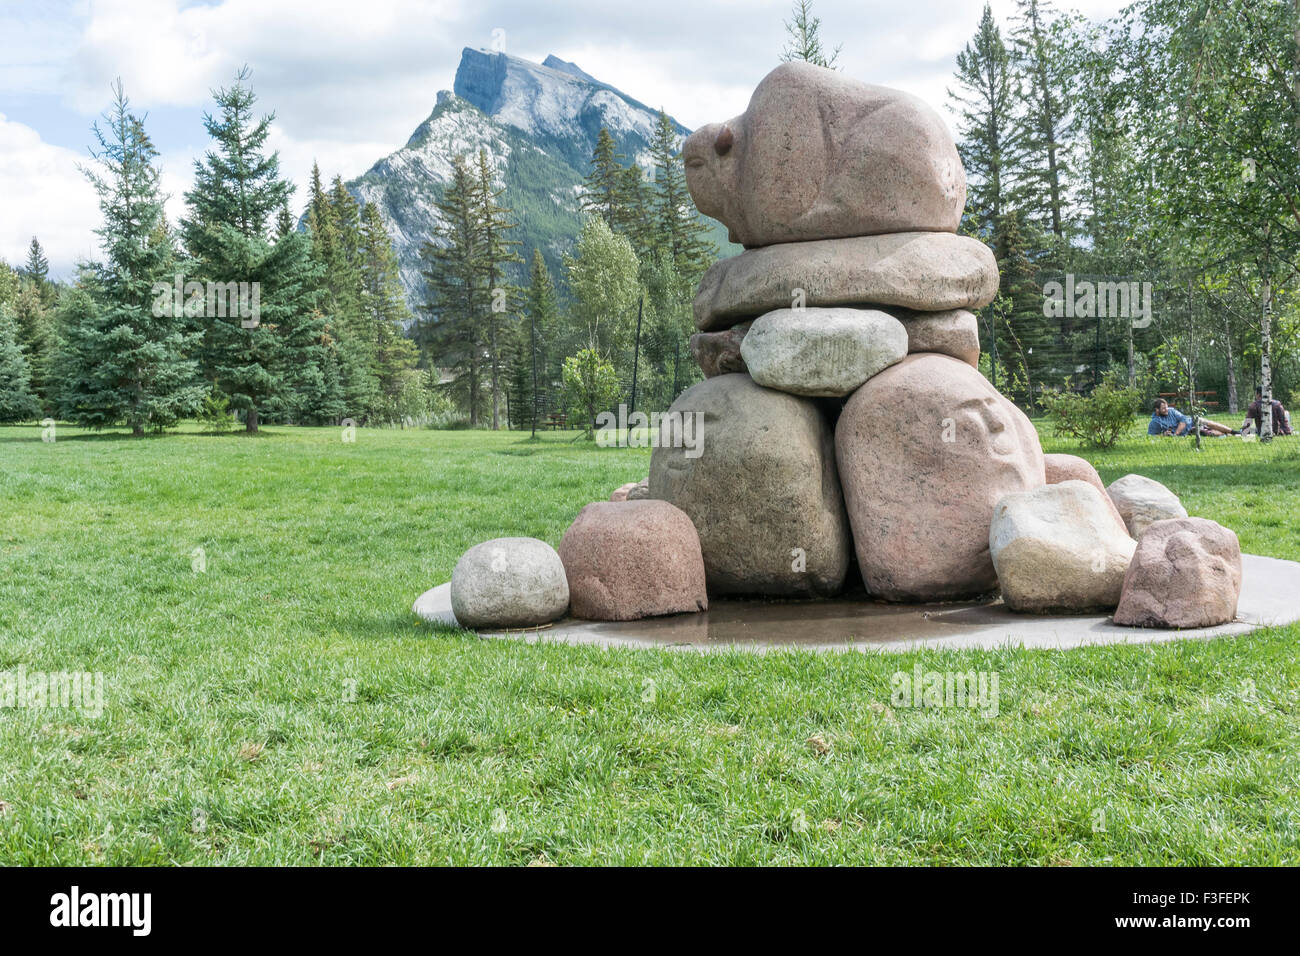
x: 538, y: 124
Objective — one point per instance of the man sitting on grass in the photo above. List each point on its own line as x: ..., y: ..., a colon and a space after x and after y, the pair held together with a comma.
x: 1167, y: 420
x: 1281, y: 426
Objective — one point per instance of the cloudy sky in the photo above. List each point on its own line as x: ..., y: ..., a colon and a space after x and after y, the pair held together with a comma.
x: 349, y: 81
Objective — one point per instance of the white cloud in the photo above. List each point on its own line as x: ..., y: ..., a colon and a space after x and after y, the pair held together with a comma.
x: 43, y: 193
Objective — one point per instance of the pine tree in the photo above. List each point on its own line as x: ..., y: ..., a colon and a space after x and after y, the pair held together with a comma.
x: 497, y: 250
x: 1043, y: 62
x: 457, y: 299
x: 35, y: 330
x: 805, y: 43
x: 679, y: 232
x: 543, y: 321
x: 238, y: 183
x: 602, y: 192
x: 986, y: 130
x: 17, y: 401
x: 130, y: 350
x: 271, y: 363
x: 384, y: 307
x: 37, y: 271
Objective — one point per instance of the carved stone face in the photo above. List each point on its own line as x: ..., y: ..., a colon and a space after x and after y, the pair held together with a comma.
x: 926, y: 449
x: 820, y: 156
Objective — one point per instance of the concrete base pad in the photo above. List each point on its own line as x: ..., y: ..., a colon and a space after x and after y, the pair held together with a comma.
x: 1270, y: 596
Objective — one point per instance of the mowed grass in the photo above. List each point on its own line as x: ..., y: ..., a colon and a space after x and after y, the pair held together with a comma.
x: 283, y: 706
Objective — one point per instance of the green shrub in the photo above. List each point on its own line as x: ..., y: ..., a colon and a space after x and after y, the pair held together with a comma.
x: 1098, y: 419
x: 215, y: 412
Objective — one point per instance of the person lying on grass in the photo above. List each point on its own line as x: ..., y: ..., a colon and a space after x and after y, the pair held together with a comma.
x: 1167, y: 420
x: 1281, y: 421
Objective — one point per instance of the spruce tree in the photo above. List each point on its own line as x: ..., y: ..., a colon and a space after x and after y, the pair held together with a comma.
x: 35, y: 329
x: 679, y: 232
x: 543, y: 314
x: 497, y: 250
x: 384, y: 308
x: 130, y: 350
x: 272, y: 363
x: 457, y: 298
x: 986, y: 128
x: 37, y: 271
x: 1044, y: 66
x: 17, y: 400
x: 602, y: 193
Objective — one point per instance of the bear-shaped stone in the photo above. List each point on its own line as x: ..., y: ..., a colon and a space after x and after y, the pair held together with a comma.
x: 818, y: 155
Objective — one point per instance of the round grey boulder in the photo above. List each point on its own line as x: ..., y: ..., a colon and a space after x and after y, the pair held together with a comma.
x: 1142, y: 501
x: 760, y: 486
x: 821, y: 352
x: 509, y: 582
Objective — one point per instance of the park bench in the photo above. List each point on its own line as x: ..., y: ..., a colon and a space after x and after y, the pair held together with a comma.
x: 557, y: 420
x: 1171, y: 397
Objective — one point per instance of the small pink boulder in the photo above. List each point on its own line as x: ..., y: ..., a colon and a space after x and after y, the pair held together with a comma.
x: 1185, y: 573
x: 631, y: 559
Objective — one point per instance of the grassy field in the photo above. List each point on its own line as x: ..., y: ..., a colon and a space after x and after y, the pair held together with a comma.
x: 271, y: 699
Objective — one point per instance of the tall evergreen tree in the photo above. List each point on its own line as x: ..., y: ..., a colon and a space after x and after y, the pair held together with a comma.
x: 543, y: 326
x: 274, y: 363
x: 986, y: 129
x: 35, y: 330
x: 129, y: 352
x: 1043, y: 61
x: 384, y: 307
x: 457, y: 300
x: 602, y: 193
x: 497, y: 249
x: 680, y: 233
x: 17, y: 400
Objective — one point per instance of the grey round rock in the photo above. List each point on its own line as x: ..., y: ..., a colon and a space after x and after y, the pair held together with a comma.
x: 1058, y: 548
x: 821, y: 352
x: 1142, y: 501
x: 509, y: 582
x: 762, y: 490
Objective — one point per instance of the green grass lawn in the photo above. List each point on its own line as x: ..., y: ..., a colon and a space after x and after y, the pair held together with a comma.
x: 283, y: 706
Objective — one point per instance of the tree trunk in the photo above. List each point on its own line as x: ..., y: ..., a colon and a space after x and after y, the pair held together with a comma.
x: 250, y: 420
x: 1265, y: 363
x: 1233, y: 404
x: 1132, y: 361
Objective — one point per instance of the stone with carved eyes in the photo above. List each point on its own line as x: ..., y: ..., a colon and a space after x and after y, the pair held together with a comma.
x: 926, y: 449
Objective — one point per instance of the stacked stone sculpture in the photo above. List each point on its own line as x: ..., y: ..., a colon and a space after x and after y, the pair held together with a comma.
x: 846, y: 430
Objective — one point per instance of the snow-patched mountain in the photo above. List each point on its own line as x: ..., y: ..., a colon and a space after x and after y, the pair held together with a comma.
x: 538, y: 124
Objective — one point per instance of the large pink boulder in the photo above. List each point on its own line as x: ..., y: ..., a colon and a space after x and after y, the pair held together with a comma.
x: 922, y: 271
x: 1061, y: 468
x: 926, y: 449
x: 818, y: 155
x: 631, y: 559
x: 1186, y: 572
